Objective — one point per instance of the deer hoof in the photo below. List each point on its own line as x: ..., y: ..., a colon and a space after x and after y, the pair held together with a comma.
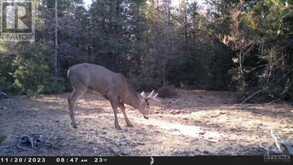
x: 129, y: 125
x: 73, y: 125
x: 118, y: 127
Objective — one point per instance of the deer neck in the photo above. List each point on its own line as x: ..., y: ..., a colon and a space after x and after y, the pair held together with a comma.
x: 132, y: 99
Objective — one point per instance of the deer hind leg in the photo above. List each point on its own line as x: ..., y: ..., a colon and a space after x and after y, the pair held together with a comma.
x: 71, y: 102
x: 122, y: 107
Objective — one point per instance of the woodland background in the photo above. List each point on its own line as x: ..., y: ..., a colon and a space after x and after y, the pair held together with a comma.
x: 239, y: 45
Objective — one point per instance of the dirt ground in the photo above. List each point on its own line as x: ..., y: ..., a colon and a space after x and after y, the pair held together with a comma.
x: 194, y: 123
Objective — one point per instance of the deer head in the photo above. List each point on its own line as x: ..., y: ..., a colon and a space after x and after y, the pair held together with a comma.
x: 144, y: 105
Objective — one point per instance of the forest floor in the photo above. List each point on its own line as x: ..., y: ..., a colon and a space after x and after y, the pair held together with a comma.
x: 195, y: 123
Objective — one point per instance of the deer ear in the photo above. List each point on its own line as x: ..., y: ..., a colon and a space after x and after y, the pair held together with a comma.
x: 155, y: 98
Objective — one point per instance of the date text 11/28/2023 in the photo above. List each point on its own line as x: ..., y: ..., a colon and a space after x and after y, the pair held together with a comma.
x: 59, y: 160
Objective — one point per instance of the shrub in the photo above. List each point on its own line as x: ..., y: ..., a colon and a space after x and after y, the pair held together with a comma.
x: 33, y: 72
x: 167, y: 92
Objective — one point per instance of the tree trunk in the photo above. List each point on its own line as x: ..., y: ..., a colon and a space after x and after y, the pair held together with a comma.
x: 56, y: 61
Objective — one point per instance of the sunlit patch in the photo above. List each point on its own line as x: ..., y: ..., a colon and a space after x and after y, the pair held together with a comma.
x: 187, y: 130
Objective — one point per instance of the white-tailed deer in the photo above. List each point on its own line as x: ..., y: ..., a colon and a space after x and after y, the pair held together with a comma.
x: 113, y: 86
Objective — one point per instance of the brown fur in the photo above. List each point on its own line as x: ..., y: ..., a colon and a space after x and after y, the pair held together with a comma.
x: 113, y: 86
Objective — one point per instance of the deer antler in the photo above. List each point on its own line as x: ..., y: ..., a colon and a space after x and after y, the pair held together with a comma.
x: 143, y: 94
x: 153, y: 96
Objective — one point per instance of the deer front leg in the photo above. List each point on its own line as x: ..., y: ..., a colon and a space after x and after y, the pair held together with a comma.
x: 122, y: 107
x: 115, y: 110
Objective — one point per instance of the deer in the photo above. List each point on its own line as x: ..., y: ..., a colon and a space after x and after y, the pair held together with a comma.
x: 115, y: 87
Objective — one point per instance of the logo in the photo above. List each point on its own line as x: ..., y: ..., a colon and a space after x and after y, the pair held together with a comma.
x: 277, y: 158
x: 152, y: 161
x: 17, y: 20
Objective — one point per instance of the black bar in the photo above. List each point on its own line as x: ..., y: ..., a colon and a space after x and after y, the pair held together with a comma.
x: 102, y: 160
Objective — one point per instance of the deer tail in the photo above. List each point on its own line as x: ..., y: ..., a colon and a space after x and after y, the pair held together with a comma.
x: 68, y: 73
